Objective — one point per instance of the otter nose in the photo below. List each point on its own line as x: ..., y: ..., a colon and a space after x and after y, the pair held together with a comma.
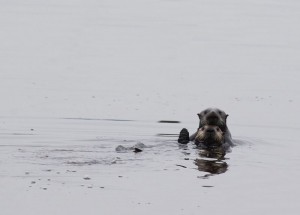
x: 210, y: 130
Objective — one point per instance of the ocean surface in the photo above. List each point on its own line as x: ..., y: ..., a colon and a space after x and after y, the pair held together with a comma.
x: 83, y: 83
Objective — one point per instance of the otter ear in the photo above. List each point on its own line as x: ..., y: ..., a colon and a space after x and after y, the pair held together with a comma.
x: 199, y: 115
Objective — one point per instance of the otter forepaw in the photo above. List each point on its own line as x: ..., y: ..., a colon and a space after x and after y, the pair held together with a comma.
x: 184, y: 136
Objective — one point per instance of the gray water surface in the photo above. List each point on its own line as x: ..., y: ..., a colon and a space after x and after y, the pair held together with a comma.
x: 80, y: 78
x: 77, y: 157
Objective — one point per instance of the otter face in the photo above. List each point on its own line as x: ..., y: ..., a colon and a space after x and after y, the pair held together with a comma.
x: 210, y: 135
x: 213, y: 116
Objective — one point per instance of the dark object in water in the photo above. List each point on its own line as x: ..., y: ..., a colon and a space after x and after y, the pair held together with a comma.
x: 167, y: 135
x: 136, y: 150
x: 181, y: 166
x: 184, y: 136
x: 168, y: 121
x: 86, y: 178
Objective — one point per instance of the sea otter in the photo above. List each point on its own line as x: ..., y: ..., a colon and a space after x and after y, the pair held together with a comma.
x: 211, y: 117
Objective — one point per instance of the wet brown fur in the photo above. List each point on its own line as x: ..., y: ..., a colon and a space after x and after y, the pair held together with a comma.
x: 210, y: 135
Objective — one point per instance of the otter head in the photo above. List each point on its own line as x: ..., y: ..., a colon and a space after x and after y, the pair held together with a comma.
x: 213, y: 116
x: 210, y: 135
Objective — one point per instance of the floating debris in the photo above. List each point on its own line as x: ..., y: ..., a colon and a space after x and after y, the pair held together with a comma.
x: 168, y: 121
x: 181, y: 166
x: 136, y: 150
x: 86, y: 177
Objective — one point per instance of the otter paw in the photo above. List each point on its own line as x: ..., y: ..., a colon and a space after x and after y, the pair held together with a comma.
x: 184, y: 136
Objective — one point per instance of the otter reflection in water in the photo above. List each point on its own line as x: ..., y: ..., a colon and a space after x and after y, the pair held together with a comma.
x: 211, y: 160
x: 212, y: 150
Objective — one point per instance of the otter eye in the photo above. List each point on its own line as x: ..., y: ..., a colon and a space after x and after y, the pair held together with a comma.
x: 205, y: 112
x: 218, y: 129
x: 220, y: 112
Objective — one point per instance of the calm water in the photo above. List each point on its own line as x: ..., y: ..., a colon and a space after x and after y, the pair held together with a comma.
x: 75, y: 156
x: 67, y: 68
